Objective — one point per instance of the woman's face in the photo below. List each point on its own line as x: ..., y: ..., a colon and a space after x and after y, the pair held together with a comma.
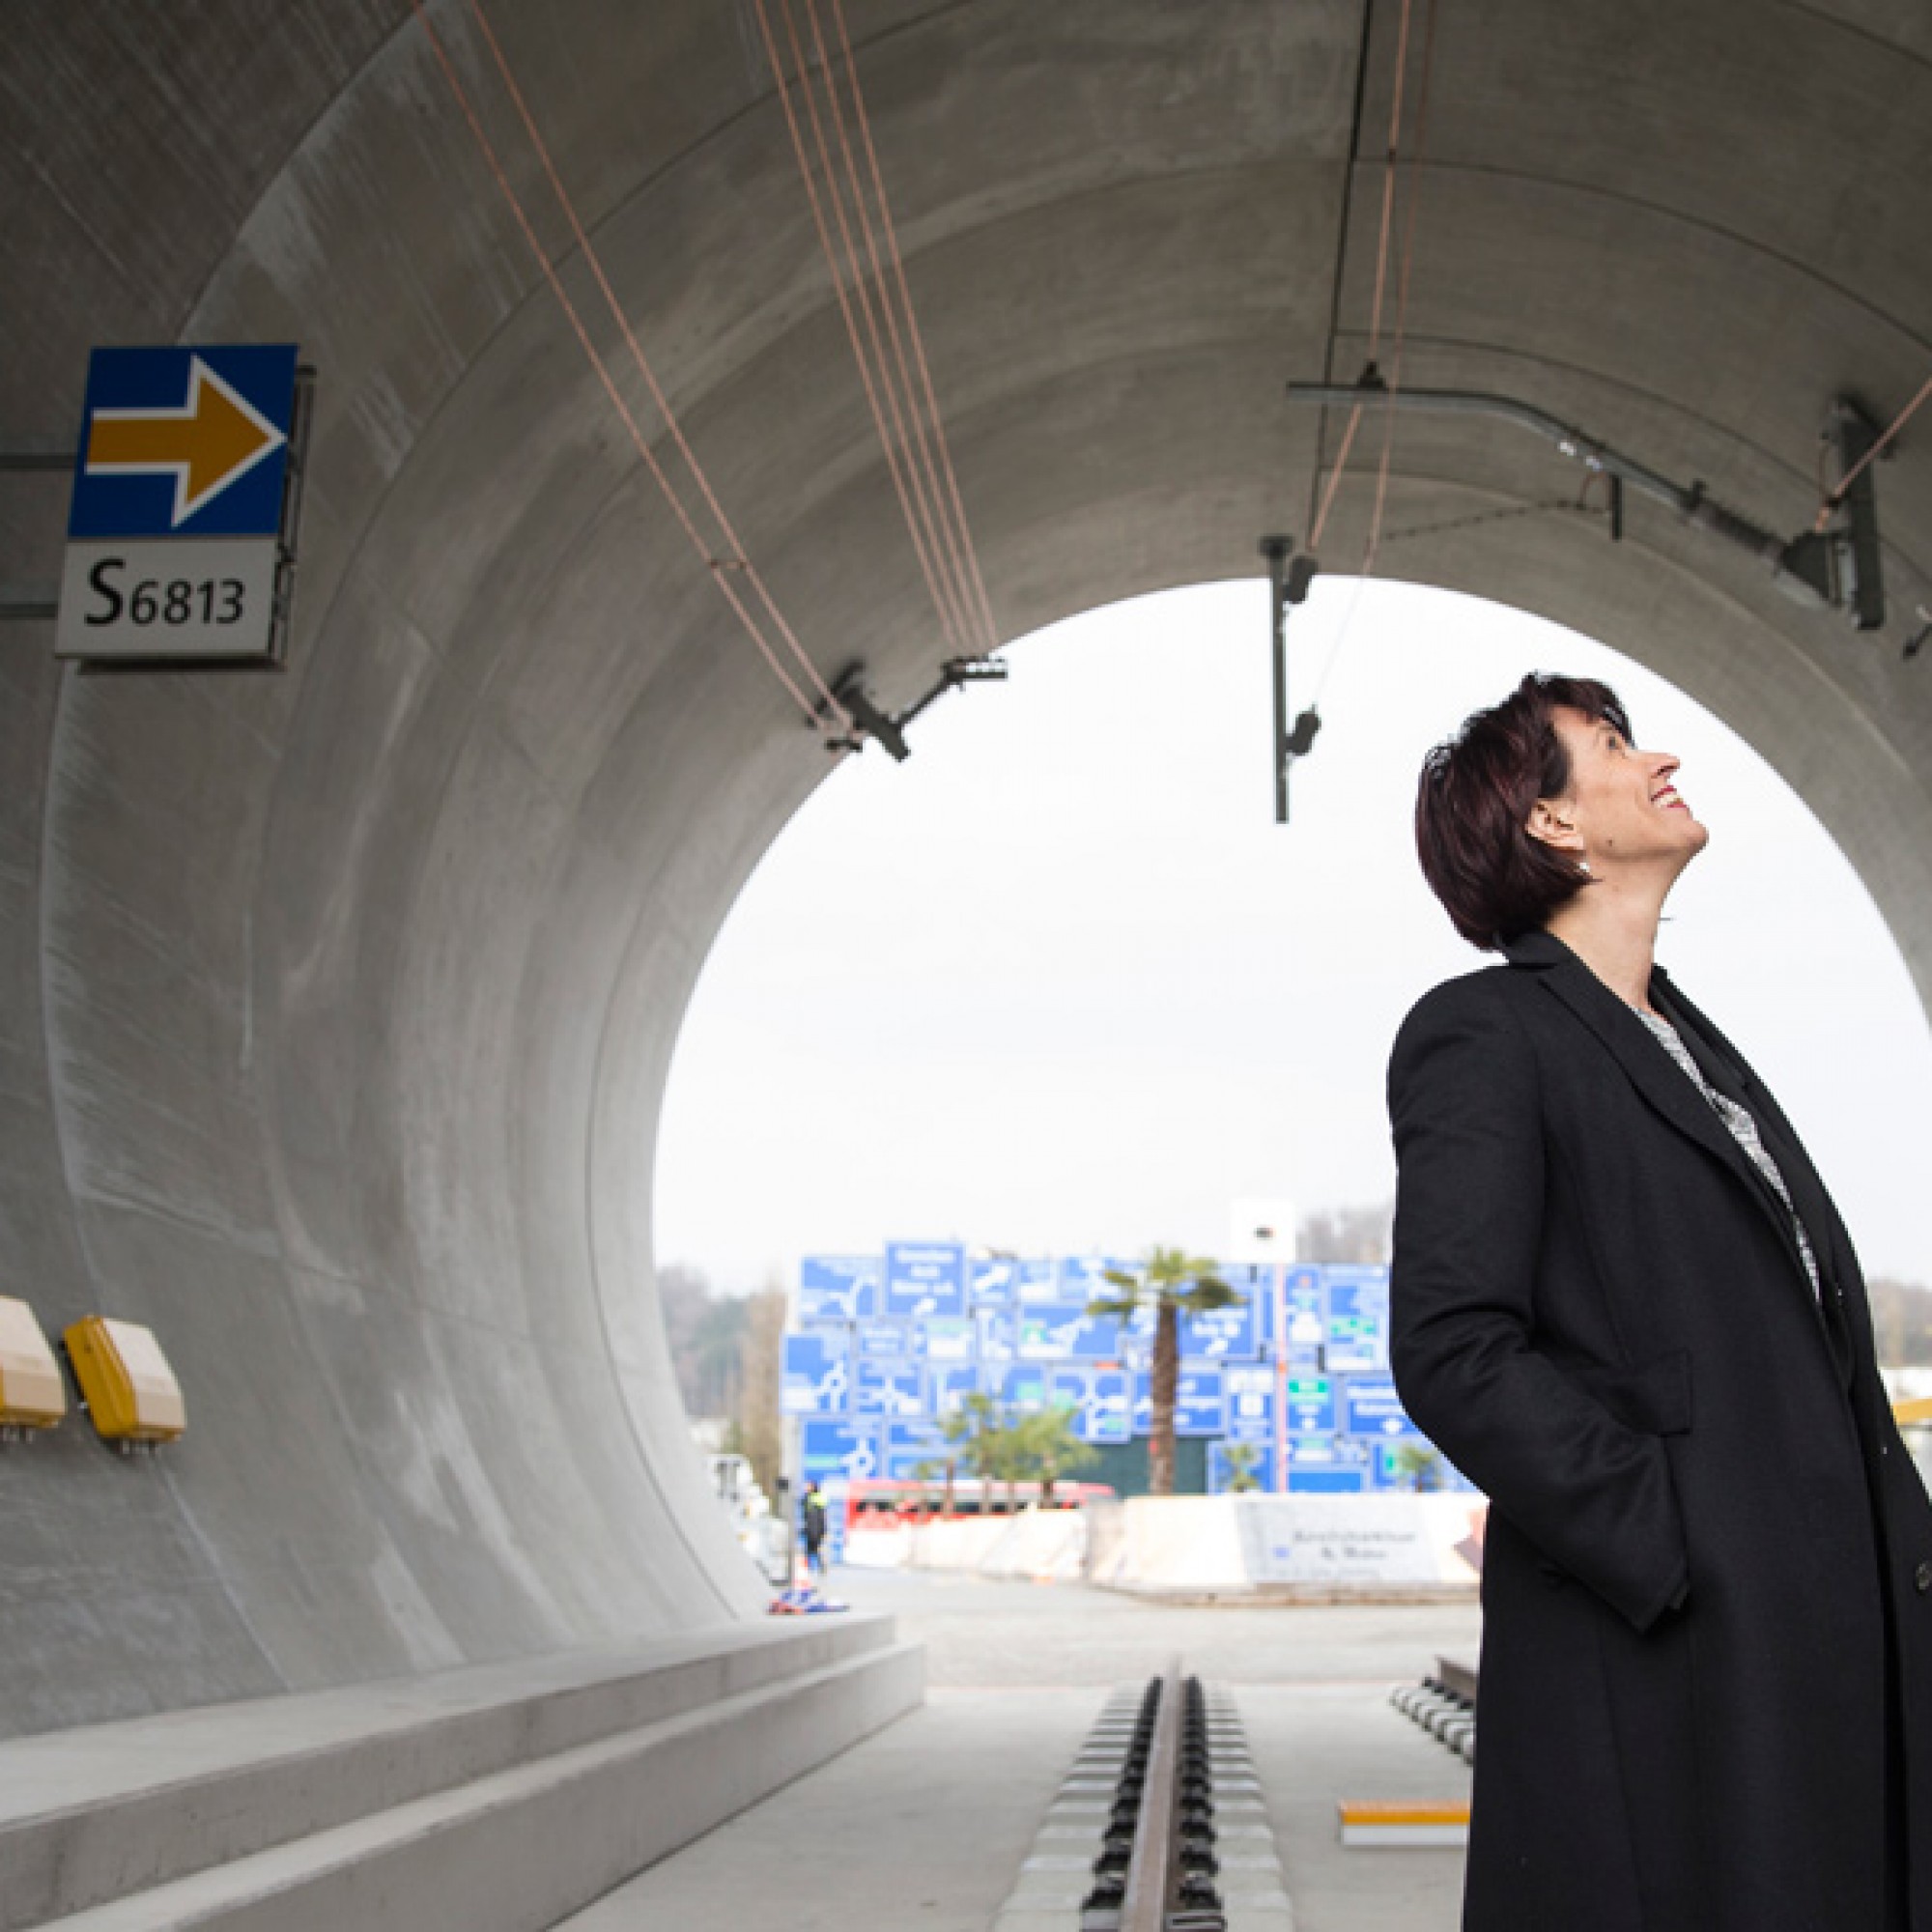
x: 1622, y: 809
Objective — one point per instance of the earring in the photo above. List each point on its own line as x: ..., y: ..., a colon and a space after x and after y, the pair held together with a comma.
x: 1583, y: 866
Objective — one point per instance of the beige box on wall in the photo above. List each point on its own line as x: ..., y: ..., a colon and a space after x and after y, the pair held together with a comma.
x: 32, y: 1392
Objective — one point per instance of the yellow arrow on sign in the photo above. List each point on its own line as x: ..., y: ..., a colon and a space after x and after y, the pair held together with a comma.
x: 213, y: 441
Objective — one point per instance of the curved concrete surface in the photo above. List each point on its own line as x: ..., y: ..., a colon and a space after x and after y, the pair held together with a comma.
x: 335, y: 1007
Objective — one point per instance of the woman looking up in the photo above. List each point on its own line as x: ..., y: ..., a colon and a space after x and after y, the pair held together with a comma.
x: 1626, y: 1308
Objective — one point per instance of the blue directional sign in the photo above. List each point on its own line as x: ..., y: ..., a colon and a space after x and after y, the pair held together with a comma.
x: 838, y: 1287
x: 179, y: 538
x: 1305, y: 1304
x: 1200, y: 1401
x: 1371, y: 1408
x: 924, y: 1278
x: 816, y: 1378
x: 1230, y: 1334
x: 993, y: 1281
x: 999, y: 1334
x: 904, y: 1446
x: 883, y: 1340
x: 947, y: 1338
x: 1100, y: 1398
x: 1038, y: 1279
x: 1311, y: 1405
x: 1083, y: 1278
x: 1250, y: 1390
x: 1053, y: 1332
x: 1357, y: 1318
x: 1023, y: 1391
x: 830, y: 1449
x: 184, y: 442
x: 947, y: 1384
x: 887, y: 1388
x: 1238, y: 1467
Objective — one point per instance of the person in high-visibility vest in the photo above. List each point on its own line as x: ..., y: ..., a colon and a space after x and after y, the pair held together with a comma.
x: 812, y: 1526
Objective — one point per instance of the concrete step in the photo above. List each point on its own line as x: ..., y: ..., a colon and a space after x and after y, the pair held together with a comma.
x: 478, y: 1797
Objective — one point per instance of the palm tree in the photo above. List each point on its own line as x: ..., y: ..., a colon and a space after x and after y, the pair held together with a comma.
x: 975, y: 1429
x: 1171, y: 1282
x: 1049, y: 1449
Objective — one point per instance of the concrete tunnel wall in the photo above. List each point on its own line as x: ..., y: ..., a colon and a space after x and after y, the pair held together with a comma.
x: 337, y: 1005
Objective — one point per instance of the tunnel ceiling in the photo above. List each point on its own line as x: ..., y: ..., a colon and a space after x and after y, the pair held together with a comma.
x: 339, y: 1002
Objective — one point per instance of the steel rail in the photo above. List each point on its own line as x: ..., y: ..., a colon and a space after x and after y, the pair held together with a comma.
x: 1153, y: 1868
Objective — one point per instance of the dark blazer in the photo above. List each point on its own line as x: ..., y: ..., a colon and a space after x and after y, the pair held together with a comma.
x: 1707, y: 1589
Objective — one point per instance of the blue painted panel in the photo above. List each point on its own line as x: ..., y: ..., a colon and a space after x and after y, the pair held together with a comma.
x: 893, y: 1388
x: 838, y: 1287
x: 1371, y: 1406
x: 816, y: 1377
x: 924, y: 1278
x: 833, y: 1449
x: 238, y: 381
x: 1250, y: 1392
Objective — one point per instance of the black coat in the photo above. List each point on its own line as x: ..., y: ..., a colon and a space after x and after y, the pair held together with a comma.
x: 1707, y: 1587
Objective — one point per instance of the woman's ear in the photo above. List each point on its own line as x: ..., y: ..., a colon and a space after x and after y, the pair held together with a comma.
x: 1549, y: 820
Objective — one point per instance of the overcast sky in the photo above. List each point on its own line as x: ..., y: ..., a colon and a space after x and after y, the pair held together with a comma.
x: 1058, y: 984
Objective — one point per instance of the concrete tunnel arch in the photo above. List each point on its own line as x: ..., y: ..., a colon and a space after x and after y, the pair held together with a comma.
x: 339, y: 1003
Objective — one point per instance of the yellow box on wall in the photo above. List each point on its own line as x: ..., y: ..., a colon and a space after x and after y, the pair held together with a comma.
x: 131, y: 1393
x: 32, y: 1392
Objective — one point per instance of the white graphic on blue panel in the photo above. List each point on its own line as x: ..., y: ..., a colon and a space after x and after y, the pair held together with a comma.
x: 816, y: 1378
x: 993, y: 1281
x: 833, y: 1449
x: 887, y: 1388
x: 1305, y: 1304
x: 948, y: 1338
x: 1100, y: 1398
x: 838, y: 1287
x: 1357, y: 1316
x: 1054, y: 1331
x: 926, y: 1278
x: 1311, y: 1405
x: 1023, y: 1391
x: 1200, y: 1401
x: 914, y: 1451
x: 1222, y: 1334
x: 999, y: 1334
x: 1083, y: 1278
x: 1371, y: 1408
x: 1250, y: 1392
x: 883, y: 1340
x: 948, y: 1384
x: 1038, y: 1279
x: 1236, y: 1469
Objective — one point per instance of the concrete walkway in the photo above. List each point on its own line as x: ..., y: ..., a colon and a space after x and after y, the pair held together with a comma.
x: 921, y: 1829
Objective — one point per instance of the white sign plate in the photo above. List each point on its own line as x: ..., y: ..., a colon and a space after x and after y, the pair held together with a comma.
x: 130, y: 602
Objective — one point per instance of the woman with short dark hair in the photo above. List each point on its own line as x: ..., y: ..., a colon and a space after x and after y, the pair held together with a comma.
x: 1625, y: 1307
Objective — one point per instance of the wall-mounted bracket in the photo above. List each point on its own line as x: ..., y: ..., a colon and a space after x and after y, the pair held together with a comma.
x: 887, y: 727
x: 1838, y: 566
x: 1290, y: 577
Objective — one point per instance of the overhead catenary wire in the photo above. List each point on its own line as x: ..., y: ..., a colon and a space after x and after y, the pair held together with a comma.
x: 895, y: 256
x: 1389, y: 159
x: 880, y: 396
x: 1399, y: 334
x: 881, y: 323
x: 724, y: 568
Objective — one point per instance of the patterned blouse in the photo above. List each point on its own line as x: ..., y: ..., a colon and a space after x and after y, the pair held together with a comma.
x: 1744, y: 1130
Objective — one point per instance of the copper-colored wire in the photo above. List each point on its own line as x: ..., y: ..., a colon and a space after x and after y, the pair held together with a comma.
x: 733, y: 549
x: 1389, y: 159
x: 948, y: 541
x: 906, y: 492
x: 989, y: 630
x: 713, y: 565
x: 1830, y: 503
x: 1402, y: 289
